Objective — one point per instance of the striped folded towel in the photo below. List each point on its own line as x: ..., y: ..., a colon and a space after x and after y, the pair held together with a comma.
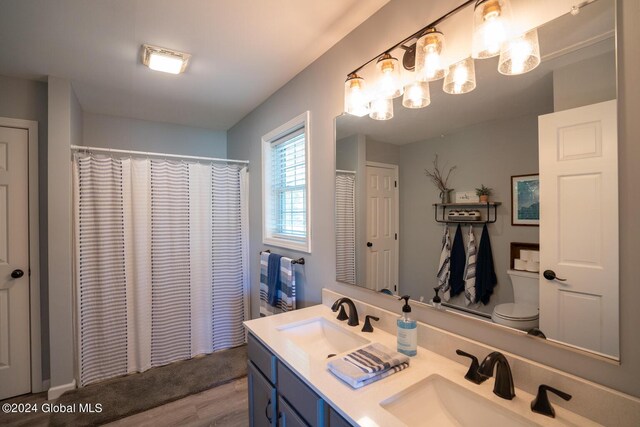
x: 368, y: 364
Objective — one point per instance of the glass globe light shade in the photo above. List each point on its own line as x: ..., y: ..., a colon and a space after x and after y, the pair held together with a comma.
x: 381, y: 109
x: 355, y: 96
x: 416, y: 95
x: 461, y: 77
x: 491, y: 22
x: 389, y: 84
x: 429, y: 64
x: 520, y: 54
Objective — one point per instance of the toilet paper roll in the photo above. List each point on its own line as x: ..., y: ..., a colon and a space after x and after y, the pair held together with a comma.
x: 519, y: 264
x: 525, y: 254
x: 533, y: 266
x: 534, y: 256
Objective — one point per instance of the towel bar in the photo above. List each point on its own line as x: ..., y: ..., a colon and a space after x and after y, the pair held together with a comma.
x: 293, y: 261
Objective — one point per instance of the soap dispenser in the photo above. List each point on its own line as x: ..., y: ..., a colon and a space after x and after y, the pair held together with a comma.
x: 437, y: 302
x: 407, y: 330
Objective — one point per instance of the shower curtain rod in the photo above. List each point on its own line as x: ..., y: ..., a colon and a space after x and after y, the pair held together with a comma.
x: 148, y: 153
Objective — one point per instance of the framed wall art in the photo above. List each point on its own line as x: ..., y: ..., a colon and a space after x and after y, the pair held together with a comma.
x: 525, y: 200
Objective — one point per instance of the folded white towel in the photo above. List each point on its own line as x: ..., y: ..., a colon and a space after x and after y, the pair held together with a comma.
x: 368, y: 364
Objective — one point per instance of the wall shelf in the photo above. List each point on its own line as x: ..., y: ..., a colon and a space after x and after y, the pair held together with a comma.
x: 489, y: 206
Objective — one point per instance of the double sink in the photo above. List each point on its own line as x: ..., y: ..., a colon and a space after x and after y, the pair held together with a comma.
x: 319, y: 338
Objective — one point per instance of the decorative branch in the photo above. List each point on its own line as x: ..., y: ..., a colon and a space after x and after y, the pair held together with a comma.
x: 437, y: 177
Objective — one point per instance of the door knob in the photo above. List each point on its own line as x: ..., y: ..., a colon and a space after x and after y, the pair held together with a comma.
x: 16, y: 274
x: 369, y: 244
x: 551, y: 275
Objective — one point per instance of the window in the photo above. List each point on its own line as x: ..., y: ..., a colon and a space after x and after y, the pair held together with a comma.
x: 285, y: 185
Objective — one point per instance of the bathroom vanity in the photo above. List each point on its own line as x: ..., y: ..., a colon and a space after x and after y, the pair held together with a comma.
x: 289, y: 383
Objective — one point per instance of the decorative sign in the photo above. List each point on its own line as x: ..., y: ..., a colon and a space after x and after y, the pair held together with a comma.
x: 466, y: 197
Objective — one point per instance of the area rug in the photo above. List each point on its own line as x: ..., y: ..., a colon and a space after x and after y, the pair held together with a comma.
x: 128, y: 395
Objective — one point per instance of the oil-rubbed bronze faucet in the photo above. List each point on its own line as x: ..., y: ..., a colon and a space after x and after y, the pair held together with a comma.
x: 353, y: 313
x: 503, y: 386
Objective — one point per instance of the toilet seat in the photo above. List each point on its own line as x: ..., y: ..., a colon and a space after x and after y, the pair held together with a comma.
x: 514, y: 315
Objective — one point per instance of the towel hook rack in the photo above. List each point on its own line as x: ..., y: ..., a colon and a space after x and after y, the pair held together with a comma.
x: 293, y: 261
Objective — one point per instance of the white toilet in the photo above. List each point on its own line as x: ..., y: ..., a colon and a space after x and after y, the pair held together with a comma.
x: 523, y: 313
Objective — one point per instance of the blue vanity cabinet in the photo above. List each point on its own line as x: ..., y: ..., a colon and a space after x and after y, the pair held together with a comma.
x: 287, y: 416
x: 336, y: 420
x: 261, y: 377
x: 279, y: 398
x: 262, y: 399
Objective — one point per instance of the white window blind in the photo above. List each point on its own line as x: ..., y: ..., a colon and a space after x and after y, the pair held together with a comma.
x: 285, y: 186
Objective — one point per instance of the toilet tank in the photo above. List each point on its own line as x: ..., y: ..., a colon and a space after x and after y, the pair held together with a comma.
x: 525, y: 287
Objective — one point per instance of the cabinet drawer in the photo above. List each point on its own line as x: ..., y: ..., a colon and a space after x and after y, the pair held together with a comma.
x: 287, y: 417
x: 264, y: 360
x: 306, y: 402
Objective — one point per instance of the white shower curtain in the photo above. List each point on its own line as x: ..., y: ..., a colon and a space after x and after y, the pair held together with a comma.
x: 161, y: 261
x: 345, y: 228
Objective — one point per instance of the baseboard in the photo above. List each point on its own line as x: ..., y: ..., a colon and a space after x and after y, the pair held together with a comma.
x: 57, y: 391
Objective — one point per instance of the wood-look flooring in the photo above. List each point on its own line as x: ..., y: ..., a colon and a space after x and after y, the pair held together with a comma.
x: 225, y: 405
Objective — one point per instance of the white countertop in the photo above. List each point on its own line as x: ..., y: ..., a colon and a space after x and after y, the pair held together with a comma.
x: 362, y: 406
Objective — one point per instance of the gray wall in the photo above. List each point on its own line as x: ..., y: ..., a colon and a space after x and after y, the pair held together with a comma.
x: 318, y: 88
x: 65, y: 129
x: 488, y: 153
x: 27, y: 100
x: 141, y: 135
x: 382, y: 152
x: 597, y: 73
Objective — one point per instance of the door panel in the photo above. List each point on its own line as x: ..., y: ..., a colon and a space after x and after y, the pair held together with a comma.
x: 15, y: 356
x: 382, y: 254
x: 579, y: 227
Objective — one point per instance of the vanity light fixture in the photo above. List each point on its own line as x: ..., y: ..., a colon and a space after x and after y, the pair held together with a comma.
x: 165, y: 60
x: 429, y: 64
x: 355, y: 97
x: 520, y: 54
x: 389, y: 83
x: 461, y: 77
x: 491, y: 21
x: 491, y: 37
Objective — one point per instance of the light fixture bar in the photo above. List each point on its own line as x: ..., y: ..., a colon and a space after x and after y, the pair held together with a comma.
x: 417, y: 34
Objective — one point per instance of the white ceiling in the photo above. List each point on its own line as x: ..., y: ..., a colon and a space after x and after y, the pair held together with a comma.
x: 243, y: 51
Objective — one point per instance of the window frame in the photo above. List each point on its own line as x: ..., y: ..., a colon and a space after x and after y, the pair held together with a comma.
x: 269, y: 235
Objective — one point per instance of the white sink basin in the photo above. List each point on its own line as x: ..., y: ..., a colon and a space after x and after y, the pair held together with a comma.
x: 320, y: 338
x: 444, y: 403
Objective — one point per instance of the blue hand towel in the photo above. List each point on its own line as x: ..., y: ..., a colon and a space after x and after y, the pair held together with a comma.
x: 485, y: 273
x: 368, y: 364
x: 457, y: 263
x: 273, y: 278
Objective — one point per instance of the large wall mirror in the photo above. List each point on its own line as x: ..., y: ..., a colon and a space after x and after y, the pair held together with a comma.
x: 545, y: 143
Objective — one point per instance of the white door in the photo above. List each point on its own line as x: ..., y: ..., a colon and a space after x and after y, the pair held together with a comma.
x: 579, y: 227
x: 15, y: 355
x: 382, y: 232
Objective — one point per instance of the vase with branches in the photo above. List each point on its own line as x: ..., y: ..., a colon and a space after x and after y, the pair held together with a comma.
x: 441, y: 180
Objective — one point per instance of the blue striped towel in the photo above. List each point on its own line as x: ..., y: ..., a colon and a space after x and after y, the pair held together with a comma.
x: 368, y: 364
x: 284, y: 298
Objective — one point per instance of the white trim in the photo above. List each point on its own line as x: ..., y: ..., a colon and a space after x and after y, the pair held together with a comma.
x: 304, y: 120
x: 34, y: 249
x: 152, y: 154
x: 57, y: 391
x: 396, y: 174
